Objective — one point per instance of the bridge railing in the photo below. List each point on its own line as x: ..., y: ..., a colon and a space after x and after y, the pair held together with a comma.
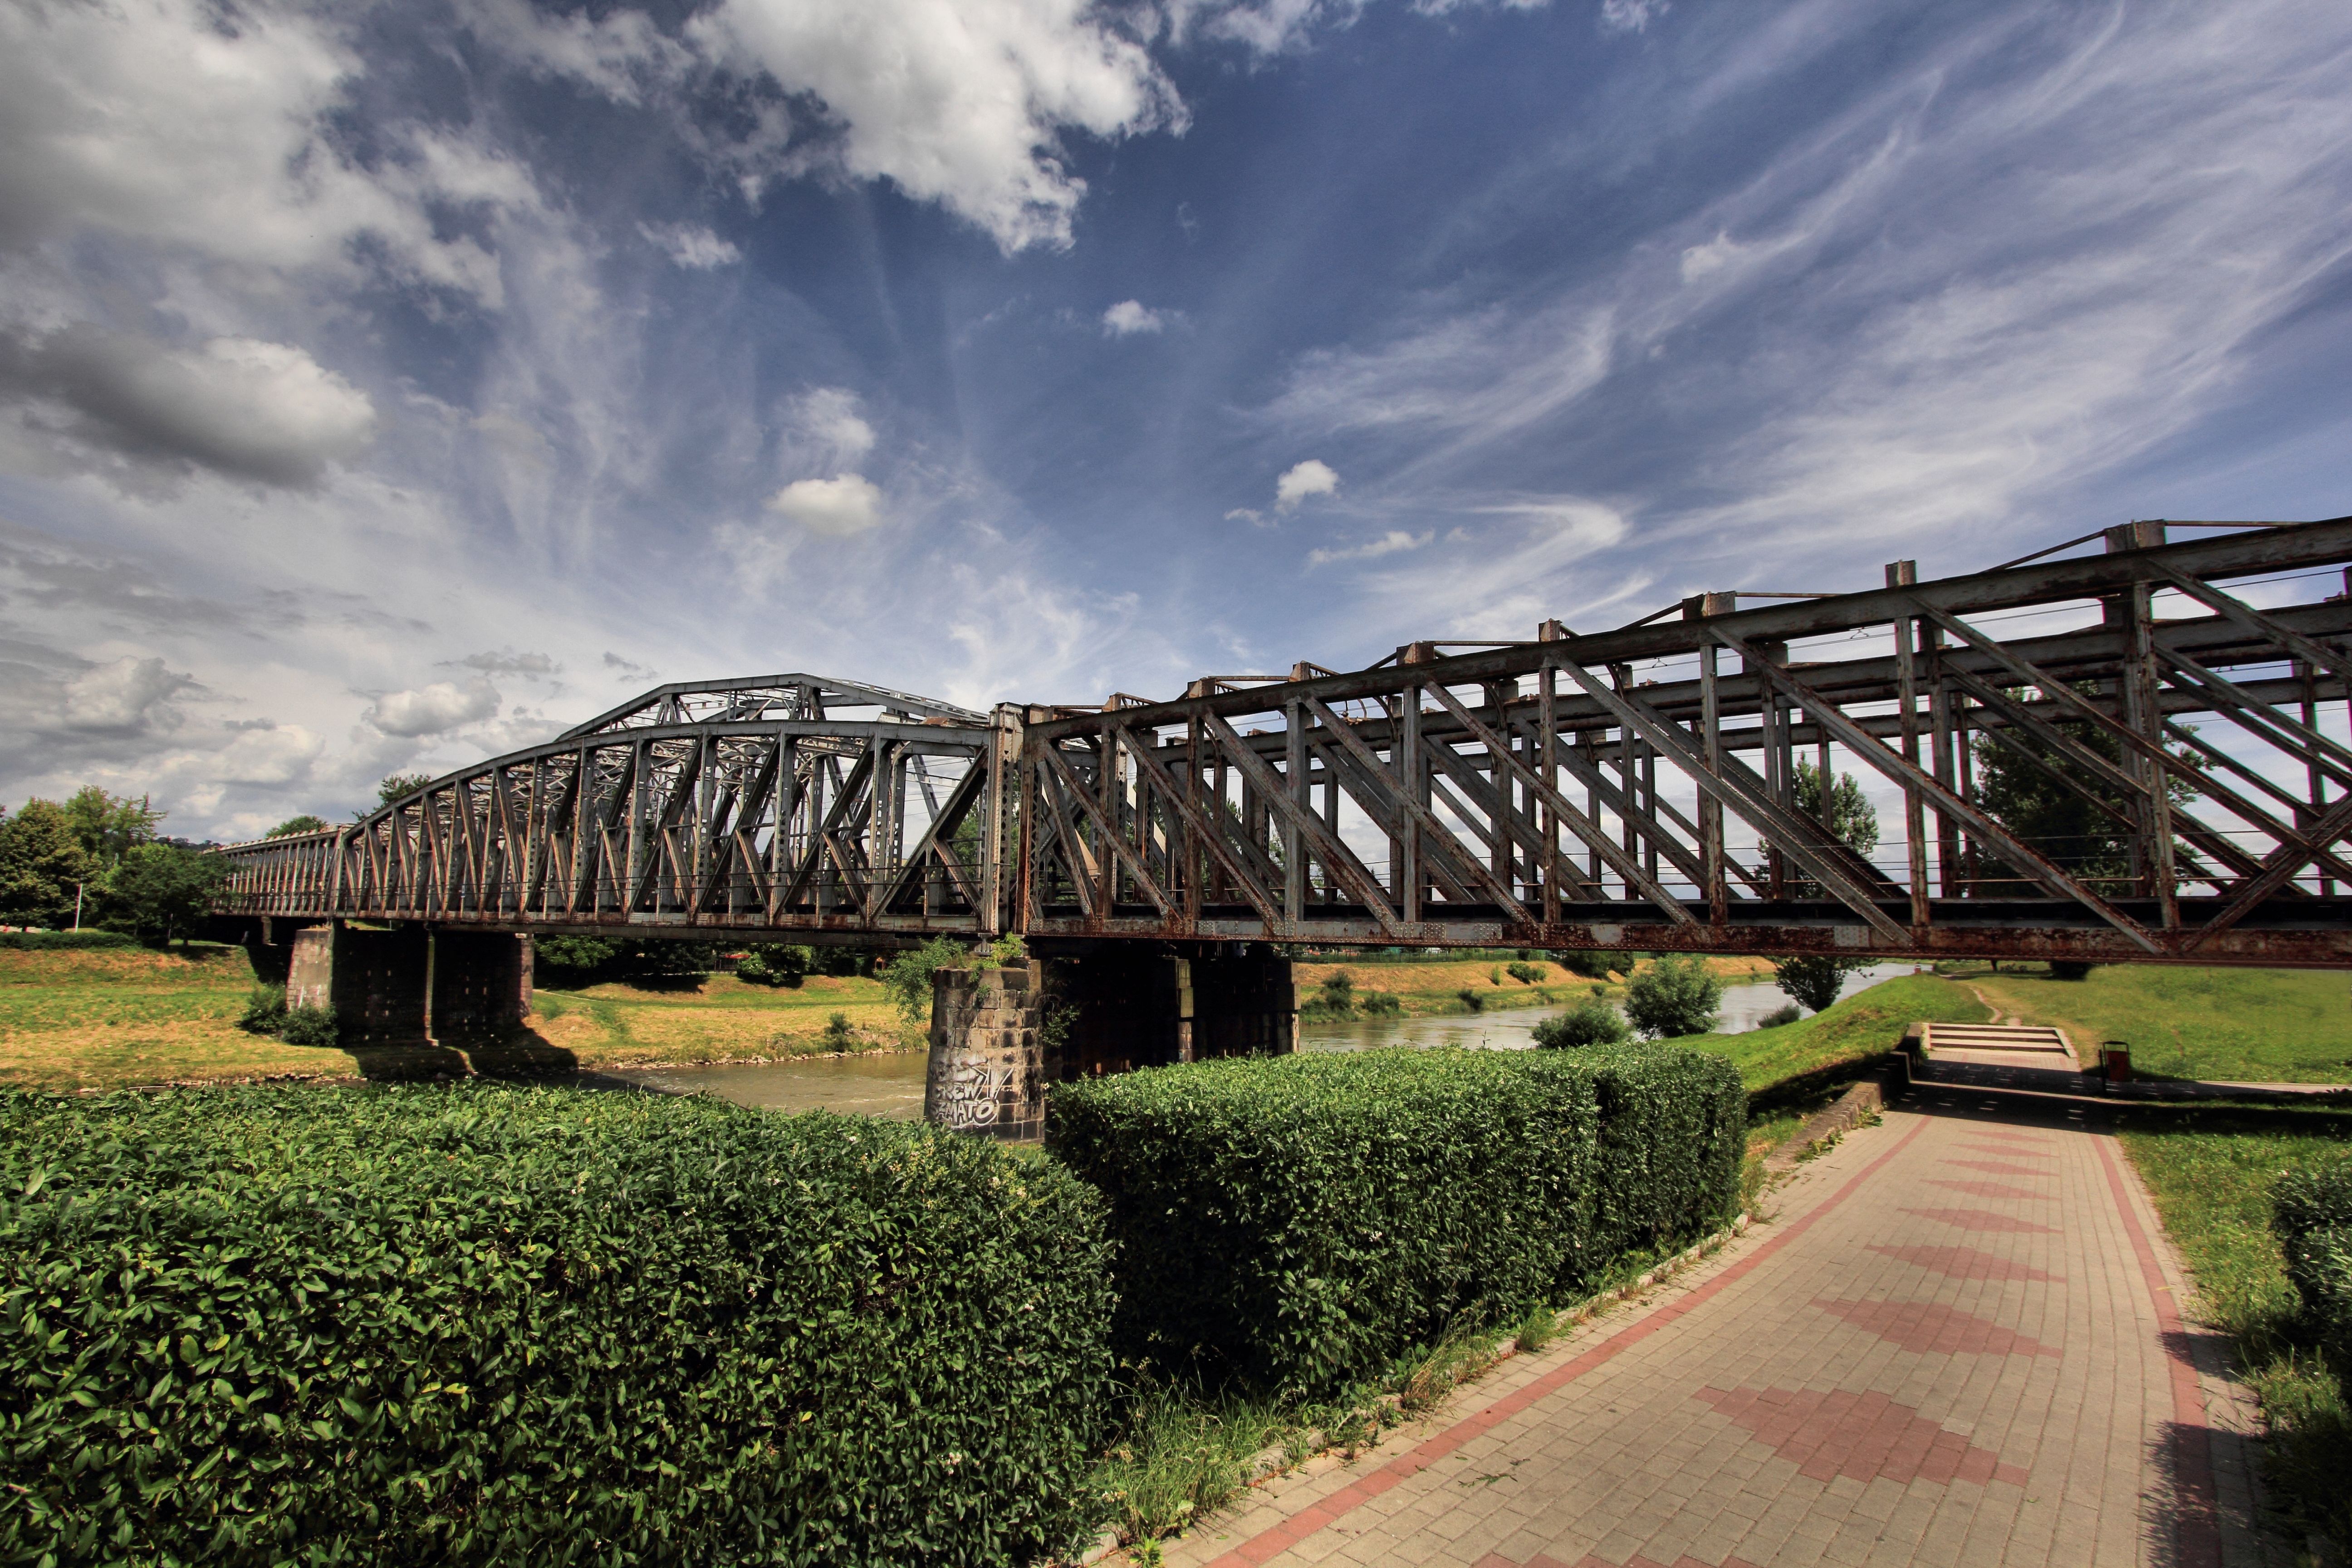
x: 1646, y: 787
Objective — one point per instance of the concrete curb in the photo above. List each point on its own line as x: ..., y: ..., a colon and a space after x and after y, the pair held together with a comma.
x: 1840, y: 1117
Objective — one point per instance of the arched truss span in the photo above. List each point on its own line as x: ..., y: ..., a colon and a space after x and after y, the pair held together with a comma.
x: 773, y: 804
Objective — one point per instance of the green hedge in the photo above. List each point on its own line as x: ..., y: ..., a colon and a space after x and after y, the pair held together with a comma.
x: 45, y: 941
x: 1296, y: 1222
x: 474, y: 1325
x: 2311, y: 1210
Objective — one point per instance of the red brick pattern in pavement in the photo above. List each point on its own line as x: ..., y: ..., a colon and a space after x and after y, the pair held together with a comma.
x: 1965, y: 1263
x: 1985, y: 1220
x: 1986, y: 1189
x: 1850, y: 1385
x: 1930, y: 1328
x: 1858, y: 1436
x: 1998, y: 1167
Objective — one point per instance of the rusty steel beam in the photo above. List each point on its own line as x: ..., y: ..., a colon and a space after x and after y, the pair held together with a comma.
x: 1524, y: 794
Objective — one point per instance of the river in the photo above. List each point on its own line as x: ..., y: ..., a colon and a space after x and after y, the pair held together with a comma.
x: 892, y: 1084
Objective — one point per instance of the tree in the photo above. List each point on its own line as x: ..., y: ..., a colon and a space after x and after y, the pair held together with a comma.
x: 1815, y: 981
x: 906, y: 979
x: 1590, y: 1023
x: 165, y: 888
x: 1852, y: 817
x: 42, y: 863
x: 2051, y: 801
x: 293, y: 825
x: 1672, y: 998
x: 109, y: 826
x: 399, y: 786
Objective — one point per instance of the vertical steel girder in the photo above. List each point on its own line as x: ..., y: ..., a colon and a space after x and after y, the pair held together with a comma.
x: 1634, y: 788
x: 722, y: 808
x: 1197, y: 818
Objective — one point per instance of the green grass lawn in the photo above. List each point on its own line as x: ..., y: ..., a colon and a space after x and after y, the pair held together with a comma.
x: 1792, y: 1059
x: 120, y: 1017
x: 2211, y: 1172
x: 2281, y: 1025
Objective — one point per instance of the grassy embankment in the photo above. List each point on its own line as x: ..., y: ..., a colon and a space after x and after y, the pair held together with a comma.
x: 1427, y: 988
x: 2211, y: 1170
x: 2278, y: 1025
x: 124, y: 1016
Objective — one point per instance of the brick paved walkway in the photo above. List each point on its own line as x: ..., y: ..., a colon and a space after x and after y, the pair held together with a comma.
x: 1955, y: 1345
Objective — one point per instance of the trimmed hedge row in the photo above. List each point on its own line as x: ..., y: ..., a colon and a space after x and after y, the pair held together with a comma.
x: 1297, y: 1221
x: 2311, y: 1210
x: 478, y: 1324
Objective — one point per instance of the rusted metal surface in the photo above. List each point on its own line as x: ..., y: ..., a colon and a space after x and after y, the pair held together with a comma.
x: 785, y: 803
x: 1629, y: 789
x: 1637, y: 789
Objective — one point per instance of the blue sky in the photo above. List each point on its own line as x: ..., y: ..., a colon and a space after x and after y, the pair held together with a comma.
x: 384, y: 386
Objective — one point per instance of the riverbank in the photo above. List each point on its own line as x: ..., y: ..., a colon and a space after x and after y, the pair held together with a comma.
x: 129, y: 1018
x: 1428, y: 987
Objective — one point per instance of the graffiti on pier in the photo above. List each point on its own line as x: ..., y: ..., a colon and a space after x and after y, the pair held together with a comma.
x: 967, y: 1092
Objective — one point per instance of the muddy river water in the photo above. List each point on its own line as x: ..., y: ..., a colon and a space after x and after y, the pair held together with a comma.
x: 892, y: 1083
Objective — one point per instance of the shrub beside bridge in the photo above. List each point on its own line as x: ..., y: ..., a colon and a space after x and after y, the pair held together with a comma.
x: 475, y: 1324
x: 1297, y: 1221
x: 478, y: 1325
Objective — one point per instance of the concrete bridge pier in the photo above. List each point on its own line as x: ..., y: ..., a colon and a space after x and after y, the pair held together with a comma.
x: 411, y: 986
x: 1001, y: 1037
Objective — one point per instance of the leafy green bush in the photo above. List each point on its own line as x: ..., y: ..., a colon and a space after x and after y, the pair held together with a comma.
x: 1294, y: 1222
x: 1589, y: 1023
x: 906, y: 979
x: 309, y: 1026
x: 2311, y: 1211
x: 1675, y: 996
x: 1525, y: 973
x: 1472, y: 999
x: 265, y: 1010
x: 838, y: 1034
x: 1589, y: 964
x: 478, y: 1325
x: 1380, y: 1004
x: 1814, y: 981
x: 1336, y: 999
x: 774, y: 963
x: 47, y: 941
x: 1781, y: 1018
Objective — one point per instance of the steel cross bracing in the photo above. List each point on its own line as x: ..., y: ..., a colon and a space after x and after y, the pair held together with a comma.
x: 1629, y: 789
x: 786, y: 804
x: 1637, y: 788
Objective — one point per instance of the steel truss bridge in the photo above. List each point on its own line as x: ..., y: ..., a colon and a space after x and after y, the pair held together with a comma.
x: 1637, y: 788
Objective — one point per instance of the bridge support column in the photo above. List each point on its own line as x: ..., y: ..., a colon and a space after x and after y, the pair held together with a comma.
x: 990, y: 1045
x: 411, y: 988
x: 1001, y: 1037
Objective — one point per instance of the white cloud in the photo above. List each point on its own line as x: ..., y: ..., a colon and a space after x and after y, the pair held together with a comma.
x: 507, y: 662
x: 1629, y: 15
x: 690, y: 245
x: 270, y: 754
x: 171, y: 123
x: 962, y: 102
x: 825, y: 426
x: 1389, y: 544
x: 128, y: 696
x: 245, y: 408
x: 1130, y: 317
x: 1250, y: 515
x: 430, y: 709
x: 1313, y: 477
x: 839, y: 506
x: 1698, y: 260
